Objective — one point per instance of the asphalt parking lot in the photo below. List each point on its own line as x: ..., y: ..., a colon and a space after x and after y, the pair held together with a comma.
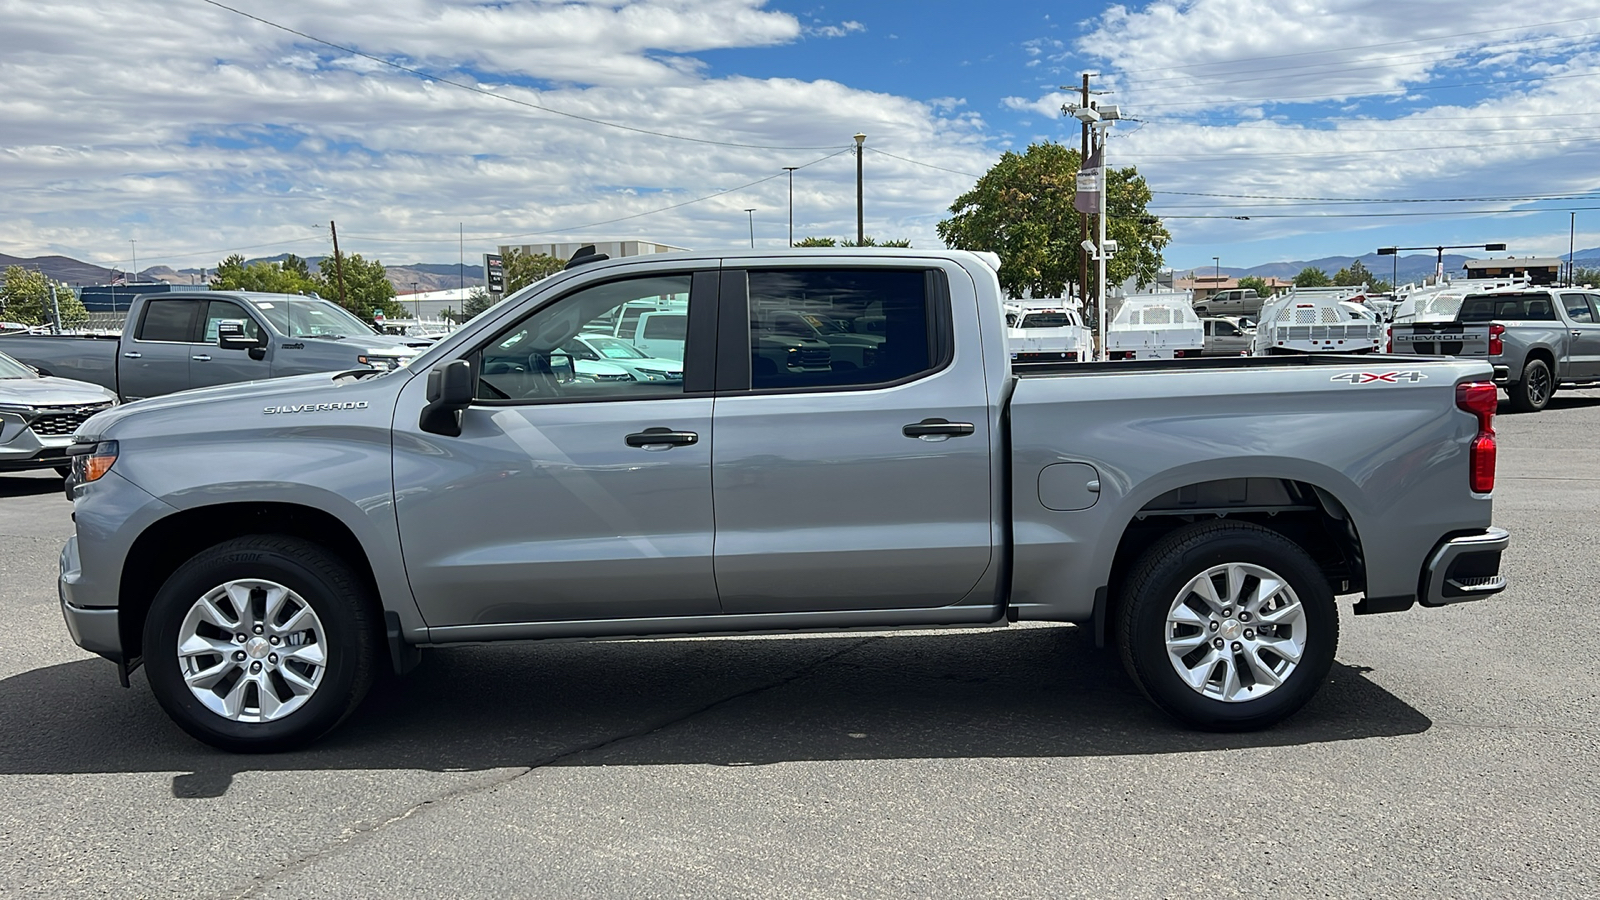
x: 1453, y: 753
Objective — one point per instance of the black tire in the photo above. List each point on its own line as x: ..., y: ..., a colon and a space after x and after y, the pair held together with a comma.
x: 348, y: 618
x: 1532, y: 392
x: 1152, y: 589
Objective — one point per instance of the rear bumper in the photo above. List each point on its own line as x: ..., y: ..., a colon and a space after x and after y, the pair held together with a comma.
x: 1465, y: 568
x: 1502, y: 374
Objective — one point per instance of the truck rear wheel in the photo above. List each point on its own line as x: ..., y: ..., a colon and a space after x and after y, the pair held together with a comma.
x: 1228, y: 626
x: 1533, y: 390
x: 261, y: 644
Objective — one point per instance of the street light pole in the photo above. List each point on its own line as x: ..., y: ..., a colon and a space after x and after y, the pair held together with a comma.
x: 1572, y: 264
x: 861, y: 221
x: 415, y: 303
x: 1440, y: 249
x: 134, y: 244
x: 790, y: 170
x: 751, y: 212
x: 1217, y: 286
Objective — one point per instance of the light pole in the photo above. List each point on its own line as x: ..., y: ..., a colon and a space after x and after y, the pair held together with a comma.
x: 134, y: 245
x: 1217, y: 286
x: 861, y: 221
x: 751, y: 212
x: 790, y: 170
x: 415, y: 303
x: 1572, y: 264
x: 1440, y: 248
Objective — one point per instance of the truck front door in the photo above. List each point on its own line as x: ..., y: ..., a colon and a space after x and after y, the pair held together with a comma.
x: 1583, y: 337
x: 851, y: 488
x: 210, y: 364
x: 564, y: 498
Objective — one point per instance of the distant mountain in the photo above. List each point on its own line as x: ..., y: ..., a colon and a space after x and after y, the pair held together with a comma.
x: 1404, y: 268
x: 426, y: 276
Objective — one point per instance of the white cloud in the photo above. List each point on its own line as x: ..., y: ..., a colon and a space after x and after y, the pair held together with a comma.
x: 837, y: 31
x: 213, y: 132
x: 1308, y: 99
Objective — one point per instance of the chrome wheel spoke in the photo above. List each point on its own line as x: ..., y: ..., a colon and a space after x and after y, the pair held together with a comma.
x: 236, y: 671
x: 1256, y: 612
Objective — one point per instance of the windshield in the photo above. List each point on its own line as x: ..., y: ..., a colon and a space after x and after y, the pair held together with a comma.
x: 615, y: 348
x: 311, y: 317
x: 1047, y: 320
x: 10, y: 368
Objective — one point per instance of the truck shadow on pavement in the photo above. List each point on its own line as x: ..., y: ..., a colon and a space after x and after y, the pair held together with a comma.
x: 14, y: 485
x: 1030, y: 692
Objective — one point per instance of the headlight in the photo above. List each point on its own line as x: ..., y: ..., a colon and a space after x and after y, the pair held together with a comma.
x: 91, y: 461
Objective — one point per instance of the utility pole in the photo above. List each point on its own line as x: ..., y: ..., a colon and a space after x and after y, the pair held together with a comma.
x: 1083, y: 218
x: 416, y: 304
x: 861, y: 221
x: 56, y: 305
x: 790, y: 170
x: 338, y: 262
x: 1572, y: 264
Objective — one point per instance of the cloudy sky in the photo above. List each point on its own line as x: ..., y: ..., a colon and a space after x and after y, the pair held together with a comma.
x: 195, y: 131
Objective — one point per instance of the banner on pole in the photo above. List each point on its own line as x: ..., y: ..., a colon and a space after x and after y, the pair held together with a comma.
x: 1090, y: 180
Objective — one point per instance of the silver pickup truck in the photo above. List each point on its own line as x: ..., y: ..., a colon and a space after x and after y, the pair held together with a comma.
x: 1535, y: 338
x: 178, y: 341
x: 264, y: 549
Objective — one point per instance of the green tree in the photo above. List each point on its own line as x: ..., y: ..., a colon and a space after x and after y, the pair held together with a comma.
x: 289, y: 277
x: 25, y: 298
x: 1582, y: 275
x: 478, y: 300
x: 1257, y: 284
x: 1022, y: 209
x: 867, y: 241
x: 1312, y: 277
x: 366, y: 286
x: 1354, y: 275
x: 523, y: 269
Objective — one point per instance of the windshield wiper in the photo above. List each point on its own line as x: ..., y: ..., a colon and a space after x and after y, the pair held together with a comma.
x: 330, y: 337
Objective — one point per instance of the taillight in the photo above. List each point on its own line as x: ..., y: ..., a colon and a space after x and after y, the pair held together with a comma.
x: 1480, y: 399
x: 1496, y: 345
x: 1388, y: 340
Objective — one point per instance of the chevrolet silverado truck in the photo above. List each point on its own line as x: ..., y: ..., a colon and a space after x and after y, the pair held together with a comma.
x: 1535, y: 338
x: 177, y: 341
x: 264, y: 549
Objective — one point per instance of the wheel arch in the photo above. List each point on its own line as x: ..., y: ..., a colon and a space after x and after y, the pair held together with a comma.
x: 173, y: 540
x: 1307, y: 513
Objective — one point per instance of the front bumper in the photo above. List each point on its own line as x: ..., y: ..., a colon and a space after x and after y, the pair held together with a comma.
x: 1464, y: 568
x: 95, y: 630
x: 27, y: 450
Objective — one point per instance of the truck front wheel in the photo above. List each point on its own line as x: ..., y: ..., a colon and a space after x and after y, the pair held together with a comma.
x: 1533, y: 391
x: 261, y: 644
x: 1228, y: 626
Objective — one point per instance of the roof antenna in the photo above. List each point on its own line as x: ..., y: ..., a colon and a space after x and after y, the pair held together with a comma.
x: 584, y: 256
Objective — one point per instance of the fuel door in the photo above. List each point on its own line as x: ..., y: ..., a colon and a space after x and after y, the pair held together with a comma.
x: 1069, y: 486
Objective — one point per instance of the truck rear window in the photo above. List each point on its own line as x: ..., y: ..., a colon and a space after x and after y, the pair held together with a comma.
x: 1521, y: 307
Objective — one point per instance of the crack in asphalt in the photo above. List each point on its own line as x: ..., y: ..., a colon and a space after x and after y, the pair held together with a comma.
x: 351, y: 836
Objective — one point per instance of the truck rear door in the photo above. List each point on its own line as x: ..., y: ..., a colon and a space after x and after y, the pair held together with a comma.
x: 850, y: 487
x: 154, y: 355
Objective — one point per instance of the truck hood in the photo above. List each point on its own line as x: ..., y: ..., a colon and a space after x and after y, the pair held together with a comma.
x: 390, y: 342
x: 51, y: 391
x: 290, y: 390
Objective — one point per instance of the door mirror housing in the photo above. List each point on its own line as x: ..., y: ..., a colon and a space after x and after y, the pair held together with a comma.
x: 450, y: 389
x: 231, y: 336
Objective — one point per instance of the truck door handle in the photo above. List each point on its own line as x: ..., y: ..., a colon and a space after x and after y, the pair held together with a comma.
x: 132, y: 354
x: 938, y: 428
x: 662, y: 438
x: 201, y: 357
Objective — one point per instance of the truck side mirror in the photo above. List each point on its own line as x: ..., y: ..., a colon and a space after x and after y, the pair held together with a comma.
x: 231, y: 336
x: 449, y: 393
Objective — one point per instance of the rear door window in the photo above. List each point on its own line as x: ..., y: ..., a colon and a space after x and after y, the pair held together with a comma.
x: 170, y: 321
x: 1577, y: 306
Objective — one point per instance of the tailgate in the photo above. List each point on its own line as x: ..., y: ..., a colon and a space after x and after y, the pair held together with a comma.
x: 1440, y: 339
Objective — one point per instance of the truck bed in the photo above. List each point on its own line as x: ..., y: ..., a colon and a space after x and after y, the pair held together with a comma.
x: 1367, y: 361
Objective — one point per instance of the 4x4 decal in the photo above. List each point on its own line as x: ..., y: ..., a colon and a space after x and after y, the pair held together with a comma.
x: 1379, y: 377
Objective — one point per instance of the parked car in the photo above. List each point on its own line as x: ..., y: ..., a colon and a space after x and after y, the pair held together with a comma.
x: 1225, y: 337
x: 1318, y: 320
x: 1536, y: 338
x: 38, y: 415
x: 265, y: 558
x: 1231, y: 302
x: 1155, y: 326
x: 846, y: 347
x: 601, y: 355
x: 176, y: 341
x: 1047, y: 330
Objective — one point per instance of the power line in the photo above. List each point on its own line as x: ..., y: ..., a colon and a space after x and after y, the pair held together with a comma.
x: 1232, y: 101
x: 925, y: 165
x: 1528, y: 27
x: 1347, y: 152
x: 1582, y: 195
x: 1376, y: 215
x: 487, y: 93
